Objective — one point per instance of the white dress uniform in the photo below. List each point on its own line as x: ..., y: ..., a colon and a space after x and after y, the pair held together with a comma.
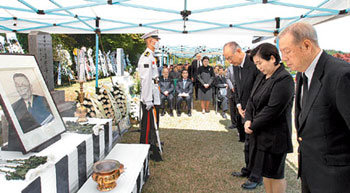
x: 150, y: 96
x: 148, y: 72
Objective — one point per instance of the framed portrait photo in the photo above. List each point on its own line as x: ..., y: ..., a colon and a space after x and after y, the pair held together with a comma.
x: 27, y: 102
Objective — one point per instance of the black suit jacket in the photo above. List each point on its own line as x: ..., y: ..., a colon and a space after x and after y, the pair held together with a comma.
x: 187, y: 89
x: 220, y: 81
x: 270, y: 111
x: 194, y: 69
x: 324, y: 127
x: 166, y: 85
x: 39, y: 112
x: 190, y: 72
x: 245, y: 84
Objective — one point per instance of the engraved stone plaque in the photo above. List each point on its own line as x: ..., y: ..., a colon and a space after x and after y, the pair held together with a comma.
x: 40, y: 45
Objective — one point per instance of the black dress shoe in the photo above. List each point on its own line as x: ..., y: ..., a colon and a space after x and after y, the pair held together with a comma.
x: 232, y: 126
x: 251, y: 185
x: 223, y: 115
x: 239, y: 174
x: 155, y: 158
x: 162, y: 114
x: 179, y: 114
x: 189, y: 114
x: 171, y: 114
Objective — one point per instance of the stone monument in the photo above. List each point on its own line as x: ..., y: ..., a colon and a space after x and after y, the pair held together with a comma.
x: 120, y: 62
x: 40, y: 45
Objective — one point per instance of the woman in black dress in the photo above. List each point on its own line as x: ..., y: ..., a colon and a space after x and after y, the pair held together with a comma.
x: 268, y: 117
x: 205, y: 77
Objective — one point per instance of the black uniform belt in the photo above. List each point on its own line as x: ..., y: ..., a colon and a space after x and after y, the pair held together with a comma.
x: 155, y: 80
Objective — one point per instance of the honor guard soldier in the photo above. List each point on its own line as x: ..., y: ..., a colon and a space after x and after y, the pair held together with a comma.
x: 150, y: 95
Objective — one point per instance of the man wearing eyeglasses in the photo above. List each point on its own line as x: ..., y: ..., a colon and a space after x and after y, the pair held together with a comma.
x: 31, y: 110
x: 245, y: 74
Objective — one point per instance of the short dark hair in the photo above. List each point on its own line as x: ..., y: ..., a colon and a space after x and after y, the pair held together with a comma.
x: 265, y: 51
x: 205, y: 58
x: 17, y: 75
x: 184, y: 70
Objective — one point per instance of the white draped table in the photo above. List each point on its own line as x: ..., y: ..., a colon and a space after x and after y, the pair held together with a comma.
x: 135, y: 158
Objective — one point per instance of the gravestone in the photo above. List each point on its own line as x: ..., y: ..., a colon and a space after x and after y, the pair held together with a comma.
x: 40, y: 45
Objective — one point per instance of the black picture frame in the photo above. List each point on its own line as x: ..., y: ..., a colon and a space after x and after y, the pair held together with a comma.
x: 35, y: 123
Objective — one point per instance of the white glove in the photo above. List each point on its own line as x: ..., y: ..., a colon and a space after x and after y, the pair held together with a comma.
x: 149, y: 105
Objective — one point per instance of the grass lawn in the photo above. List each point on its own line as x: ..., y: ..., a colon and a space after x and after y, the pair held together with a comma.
x: 199, y: 156
x: 199, y: 153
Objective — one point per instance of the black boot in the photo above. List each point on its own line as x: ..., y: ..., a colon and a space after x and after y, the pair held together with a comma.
x: 162, y: 113
x: 178, y: 113
x: 189, y: 113
x: 171, y: 113
x: 223, y: 114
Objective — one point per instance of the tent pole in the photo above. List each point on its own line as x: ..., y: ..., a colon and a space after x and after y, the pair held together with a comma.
x: 167, y: 59
x: 162, y: 58
x: 96, y: 61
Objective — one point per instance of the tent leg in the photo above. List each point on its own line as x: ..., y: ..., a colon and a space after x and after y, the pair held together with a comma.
x: 161, y: 59
x: 96, y: 63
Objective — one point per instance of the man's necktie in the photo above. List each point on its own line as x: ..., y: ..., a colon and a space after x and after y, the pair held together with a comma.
x: 304, y: 96
x: 305, y: 90
x: 240, y: 68
x: 184, y: 83
x: 29, y: 107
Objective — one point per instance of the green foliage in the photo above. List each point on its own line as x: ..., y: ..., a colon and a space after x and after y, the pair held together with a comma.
x: 24, y: 165
x: 331, y: 52
x: 23, y: 41
x: 132, y: 44
x: 79, y: 128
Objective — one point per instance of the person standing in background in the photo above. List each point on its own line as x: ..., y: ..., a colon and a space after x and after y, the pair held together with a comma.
x: 205, y: 76
x: 196, y: 63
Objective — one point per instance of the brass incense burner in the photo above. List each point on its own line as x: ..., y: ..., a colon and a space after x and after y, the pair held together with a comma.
x: 106, y: 173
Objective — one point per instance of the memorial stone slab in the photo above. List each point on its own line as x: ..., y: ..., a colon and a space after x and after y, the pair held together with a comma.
x: 120, y: 62
x: 40, y: 45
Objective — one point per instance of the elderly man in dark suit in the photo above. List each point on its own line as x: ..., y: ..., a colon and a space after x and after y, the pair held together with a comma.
x: 31, y: 110
x: 322, y: 110
x: 184, y: 90
x: 245, y: 74
x: 166, y: 86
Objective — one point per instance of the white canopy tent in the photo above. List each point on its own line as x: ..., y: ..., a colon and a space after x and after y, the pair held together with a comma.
x: 188, y: 16
x: 221, y: 17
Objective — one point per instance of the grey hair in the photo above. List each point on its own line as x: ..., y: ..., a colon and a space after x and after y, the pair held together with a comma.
x: 233, y: 45
x: 301, y: 31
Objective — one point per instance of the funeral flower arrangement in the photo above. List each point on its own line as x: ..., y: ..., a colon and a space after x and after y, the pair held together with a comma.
x: 136, y: 89
x: 135, y: 108
x: 110, y: 102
